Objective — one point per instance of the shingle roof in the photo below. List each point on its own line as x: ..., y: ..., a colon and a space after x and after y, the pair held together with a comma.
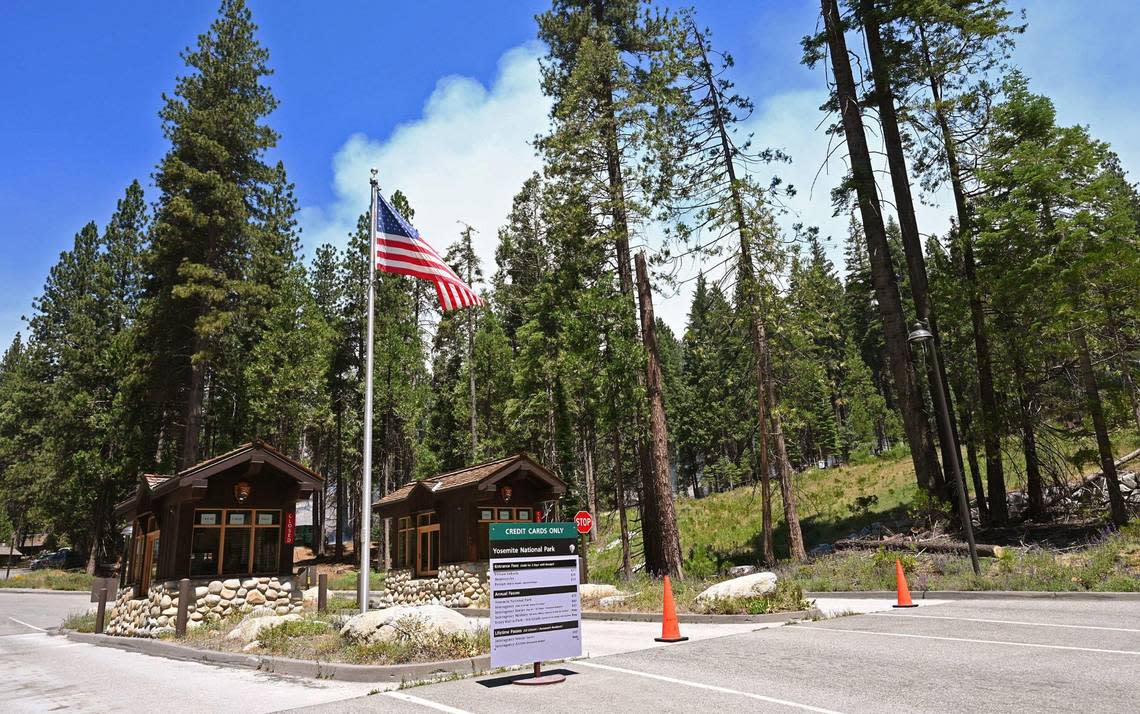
x: 155, y: 480
x: 453, y: 479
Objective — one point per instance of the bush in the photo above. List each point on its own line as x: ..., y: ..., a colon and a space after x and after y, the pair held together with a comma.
x: 701, y: 563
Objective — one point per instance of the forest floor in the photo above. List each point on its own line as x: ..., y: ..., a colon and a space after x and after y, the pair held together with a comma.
x: 1076, y: 552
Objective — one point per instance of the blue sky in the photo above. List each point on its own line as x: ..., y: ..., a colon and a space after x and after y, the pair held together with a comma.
x: 442, y: 96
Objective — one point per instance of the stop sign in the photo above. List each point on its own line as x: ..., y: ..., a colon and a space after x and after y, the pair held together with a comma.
x: 584, y: 521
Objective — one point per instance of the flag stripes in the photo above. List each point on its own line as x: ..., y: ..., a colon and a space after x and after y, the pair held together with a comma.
x: 400, y: 249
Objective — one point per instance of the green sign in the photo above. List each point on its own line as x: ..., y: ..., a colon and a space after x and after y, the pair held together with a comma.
x: 533, y: 531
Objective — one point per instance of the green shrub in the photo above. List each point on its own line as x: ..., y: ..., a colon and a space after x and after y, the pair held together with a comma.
x: 701, y: 563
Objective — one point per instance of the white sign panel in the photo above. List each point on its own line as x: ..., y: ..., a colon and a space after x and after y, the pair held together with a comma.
x: 536, y: 613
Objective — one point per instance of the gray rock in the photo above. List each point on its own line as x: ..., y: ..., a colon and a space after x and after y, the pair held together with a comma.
x: 404, y: 623
x: 596, y: 591
x: 754, y: 585
x: 215, y: 587
x: 251, y: 627
x: 739, y: 570
x: 231, y: 584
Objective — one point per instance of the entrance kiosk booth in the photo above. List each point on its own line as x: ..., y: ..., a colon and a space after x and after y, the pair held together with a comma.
x: 228, y: 524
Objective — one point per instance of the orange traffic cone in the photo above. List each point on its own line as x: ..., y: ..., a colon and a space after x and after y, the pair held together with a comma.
x: 903, y: 590
x: 670, y: 629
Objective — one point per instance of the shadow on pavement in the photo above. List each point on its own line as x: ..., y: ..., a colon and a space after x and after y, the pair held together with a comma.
x: 511, y: 679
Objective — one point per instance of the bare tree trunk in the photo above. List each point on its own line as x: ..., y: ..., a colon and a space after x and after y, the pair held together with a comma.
x: 972, y: 459
x: 194, y: 395
x: 908, y: 223
x: 662, y: 494
x: 386, y: 542
x: 991, y: 426
x: 339, y: 537
x: 882, y: 272
x: 1104, y: 446
x: 619, y: 494
x: 751, y: 292
x: 588, y: 474
x: 1034, y: 485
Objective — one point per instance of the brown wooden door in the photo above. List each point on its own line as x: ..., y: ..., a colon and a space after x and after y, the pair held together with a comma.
x: 150, y: 561
x: 427, y: 550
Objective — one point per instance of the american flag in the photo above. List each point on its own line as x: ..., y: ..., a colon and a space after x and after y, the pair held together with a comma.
x: 400, y: 249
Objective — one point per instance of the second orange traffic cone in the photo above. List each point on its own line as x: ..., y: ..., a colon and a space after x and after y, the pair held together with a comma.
x: 670, y: 629
x: 903, y: 590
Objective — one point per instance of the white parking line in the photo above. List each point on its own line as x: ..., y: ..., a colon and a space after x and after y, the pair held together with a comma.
x: 424, y: 702
x: 1004, y: 622
x: 711, y: 687
x: 964, y: 639
x: 25, y: 624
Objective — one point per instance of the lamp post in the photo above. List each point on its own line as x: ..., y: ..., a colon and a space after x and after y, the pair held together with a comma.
x: 922, y: 336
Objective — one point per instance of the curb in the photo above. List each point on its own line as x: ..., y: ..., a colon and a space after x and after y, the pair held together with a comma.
x: 983, y: 595
x: 283, y: 665
x: 44, y: 591
x: 683, y: 618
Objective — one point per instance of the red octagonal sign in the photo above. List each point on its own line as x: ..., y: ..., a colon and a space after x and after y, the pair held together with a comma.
x: 584, y: 521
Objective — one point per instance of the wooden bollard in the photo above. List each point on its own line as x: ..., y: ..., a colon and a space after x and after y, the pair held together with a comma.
x: 101, y: 613
x: 322, y: 592
x: 183, y: 607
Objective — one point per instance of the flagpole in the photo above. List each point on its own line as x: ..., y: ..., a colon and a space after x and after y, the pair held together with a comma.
x: 363, y: 581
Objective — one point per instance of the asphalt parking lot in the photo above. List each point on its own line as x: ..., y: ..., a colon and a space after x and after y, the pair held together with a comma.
x: 964, y: 656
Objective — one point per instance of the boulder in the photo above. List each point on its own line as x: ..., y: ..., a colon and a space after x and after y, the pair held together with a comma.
x: 231, y: 584
x: 403, y: 622
x: 251, y: 627
x: 595, y: 591
x: 255, y: 597
x: 754, y: 585
x: 215, y: 587
x: 739, y: 570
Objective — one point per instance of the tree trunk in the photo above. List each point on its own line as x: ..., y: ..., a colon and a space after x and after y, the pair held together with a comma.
x: 591, y: 488
x: 662, y: 493
x: 1104, y: 447
x: 751, y: 292
x: 339, y: 537
x: 882, y: 272
x: 194, y: 396
x: 619, y: 493
x: 991, y: 426
x: 385, y: 537
x: 972, y: 459
x: 1034, y: 485
x: 908, y: 223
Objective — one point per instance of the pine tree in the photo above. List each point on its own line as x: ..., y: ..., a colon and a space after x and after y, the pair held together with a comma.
x: 206, y: 222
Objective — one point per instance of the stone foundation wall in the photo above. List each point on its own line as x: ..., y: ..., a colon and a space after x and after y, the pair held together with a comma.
x: 455, y: 585
x: 156, y: 612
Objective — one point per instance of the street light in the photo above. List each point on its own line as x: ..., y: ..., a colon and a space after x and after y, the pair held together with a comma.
x: 921, y: 335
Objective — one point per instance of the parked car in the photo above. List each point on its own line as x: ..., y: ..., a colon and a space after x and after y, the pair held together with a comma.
x: 62, y: 559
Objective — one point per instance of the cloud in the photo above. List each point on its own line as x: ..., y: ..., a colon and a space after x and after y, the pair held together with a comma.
x: 462, y: 160
x: 469, y: 152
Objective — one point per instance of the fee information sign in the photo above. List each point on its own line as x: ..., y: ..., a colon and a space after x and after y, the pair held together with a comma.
x: 536, y: 614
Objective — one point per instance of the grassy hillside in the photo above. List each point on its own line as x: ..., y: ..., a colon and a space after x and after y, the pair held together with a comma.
x: 723, y: 529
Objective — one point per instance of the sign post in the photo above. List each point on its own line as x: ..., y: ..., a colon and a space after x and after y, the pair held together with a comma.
x: 536, y: 613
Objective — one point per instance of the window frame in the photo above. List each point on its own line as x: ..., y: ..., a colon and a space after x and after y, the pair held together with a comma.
x: 252, y: 526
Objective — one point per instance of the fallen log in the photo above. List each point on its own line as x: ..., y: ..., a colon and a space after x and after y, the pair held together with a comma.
x: 927, y: 546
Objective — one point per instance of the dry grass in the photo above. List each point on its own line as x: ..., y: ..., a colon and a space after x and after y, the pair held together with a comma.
x: 49, y: 580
